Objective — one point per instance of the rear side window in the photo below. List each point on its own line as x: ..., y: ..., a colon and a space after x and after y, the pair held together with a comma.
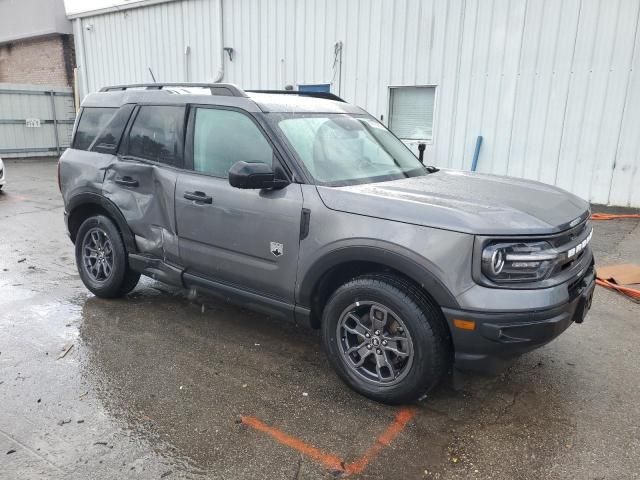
x: 92, y: 121
x: 109, y: 138
x: 156, y: 134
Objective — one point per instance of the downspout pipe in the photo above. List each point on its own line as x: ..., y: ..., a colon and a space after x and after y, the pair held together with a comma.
x: 476, y: 153
x: 220, y: 74
x: 82, y: 57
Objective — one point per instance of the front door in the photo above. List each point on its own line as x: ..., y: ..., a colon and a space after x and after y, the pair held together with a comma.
x: 247, y: 239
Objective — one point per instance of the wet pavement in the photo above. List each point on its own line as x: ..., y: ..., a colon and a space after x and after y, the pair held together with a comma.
x: 155, y: 384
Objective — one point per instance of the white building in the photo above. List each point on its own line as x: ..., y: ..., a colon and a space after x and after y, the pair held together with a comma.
x: 552, y: 86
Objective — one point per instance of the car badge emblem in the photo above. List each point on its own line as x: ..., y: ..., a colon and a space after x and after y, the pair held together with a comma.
x: 277, y: 249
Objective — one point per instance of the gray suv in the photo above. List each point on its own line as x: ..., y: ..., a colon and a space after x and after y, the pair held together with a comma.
x: 306, y: 207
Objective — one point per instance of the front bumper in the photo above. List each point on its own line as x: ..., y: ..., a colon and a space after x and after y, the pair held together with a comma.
x: 500, y: 337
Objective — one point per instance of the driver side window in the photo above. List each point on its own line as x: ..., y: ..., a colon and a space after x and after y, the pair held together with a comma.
x: 224, y: 137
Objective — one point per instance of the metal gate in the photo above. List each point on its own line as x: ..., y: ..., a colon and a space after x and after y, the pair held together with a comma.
x: 35, y: 121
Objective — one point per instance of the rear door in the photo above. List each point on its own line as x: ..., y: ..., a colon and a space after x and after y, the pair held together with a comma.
x: 141, y: 182
x: 244, y: 238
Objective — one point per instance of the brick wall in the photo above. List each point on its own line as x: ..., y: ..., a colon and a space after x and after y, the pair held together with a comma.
x: 40, y: 61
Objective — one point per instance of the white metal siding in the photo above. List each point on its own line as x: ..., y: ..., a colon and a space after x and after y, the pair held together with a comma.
x: 177, y: 40
x: 553, y: 86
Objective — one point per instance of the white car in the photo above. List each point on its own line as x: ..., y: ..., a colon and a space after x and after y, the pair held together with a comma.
x: 2, y: 180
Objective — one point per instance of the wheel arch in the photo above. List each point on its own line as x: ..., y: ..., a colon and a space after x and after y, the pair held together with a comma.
x: 336, y: 267
x: 85, y: 205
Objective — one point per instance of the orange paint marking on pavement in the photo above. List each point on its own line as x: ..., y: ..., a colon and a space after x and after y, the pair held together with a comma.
x: 333, y: 462
x: 403, y: 417
x: 329, y: 461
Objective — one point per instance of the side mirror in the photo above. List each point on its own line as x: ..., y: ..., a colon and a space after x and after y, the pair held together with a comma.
x: 254, y: 176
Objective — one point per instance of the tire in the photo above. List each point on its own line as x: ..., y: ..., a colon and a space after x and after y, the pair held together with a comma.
x: 113, y: 278
x: 425, y: 338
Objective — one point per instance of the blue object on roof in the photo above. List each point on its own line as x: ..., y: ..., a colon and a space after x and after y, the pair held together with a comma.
x: 318, y: 87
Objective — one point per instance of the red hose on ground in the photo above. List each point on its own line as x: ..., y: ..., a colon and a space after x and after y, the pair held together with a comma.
x: 632, y: 293
x: 613, y: 216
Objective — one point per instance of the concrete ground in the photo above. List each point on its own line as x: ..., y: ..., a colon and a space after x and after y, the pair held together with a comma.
x: 154, y: 384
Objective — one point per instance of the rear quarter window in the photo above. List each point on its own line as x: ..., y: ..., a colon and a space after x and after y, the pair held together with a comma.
x: 109, y: 138
x: 92, y: 121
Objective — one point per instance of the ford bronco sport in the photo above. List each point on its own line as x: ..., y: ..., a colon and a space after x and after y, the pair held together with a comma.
x: 309, y: 208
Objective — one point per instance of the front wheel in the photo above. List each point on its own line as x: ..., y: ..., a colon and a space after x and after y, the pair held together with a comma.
x: 101, y: 258
x: 386, y: 339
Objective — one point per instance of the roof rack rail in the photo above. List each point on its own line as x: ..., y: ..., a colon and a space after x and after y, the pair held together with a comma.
x: 325, y: 95
x: 223, y: 89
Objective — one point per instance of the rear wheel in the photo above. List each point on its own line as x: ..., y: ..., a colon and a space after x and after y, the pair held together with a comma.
x: 385, y: 338
x: 101, y: 258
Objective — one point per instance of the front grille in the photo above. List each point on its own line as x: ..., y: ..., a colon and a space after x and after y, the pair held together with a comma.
x: 570, y: 235
x: 573, y: 245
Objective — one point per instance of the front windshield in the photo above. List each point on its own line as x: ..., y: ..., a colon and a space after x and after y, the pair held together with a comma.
x: 341, y: 149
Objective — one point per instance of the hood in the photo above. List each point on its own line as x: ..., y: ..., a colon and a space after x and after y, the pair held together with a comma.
x: 466, y: 202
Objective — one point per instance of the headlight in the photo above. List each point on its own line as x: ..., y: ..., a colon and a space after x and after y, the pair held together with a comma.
x: 518, y: 261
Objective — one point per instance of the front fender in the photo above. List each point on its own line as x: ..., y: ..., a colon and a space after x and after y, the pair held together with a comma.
x: 395, y: 257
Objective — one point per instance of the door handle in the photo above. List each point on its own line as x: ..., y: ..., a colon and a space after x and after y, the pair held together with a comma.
x: 127, y: 181
x: 198, y: 197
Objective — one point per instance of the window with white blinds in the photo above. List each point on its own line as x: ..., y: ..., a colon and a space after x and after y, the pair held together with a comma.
x: 411, y: 112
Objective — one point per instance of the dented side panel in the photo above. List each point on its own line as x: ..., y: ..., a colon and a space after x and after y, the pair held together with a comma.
x: 144, y: 193
x: 82, y: 172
